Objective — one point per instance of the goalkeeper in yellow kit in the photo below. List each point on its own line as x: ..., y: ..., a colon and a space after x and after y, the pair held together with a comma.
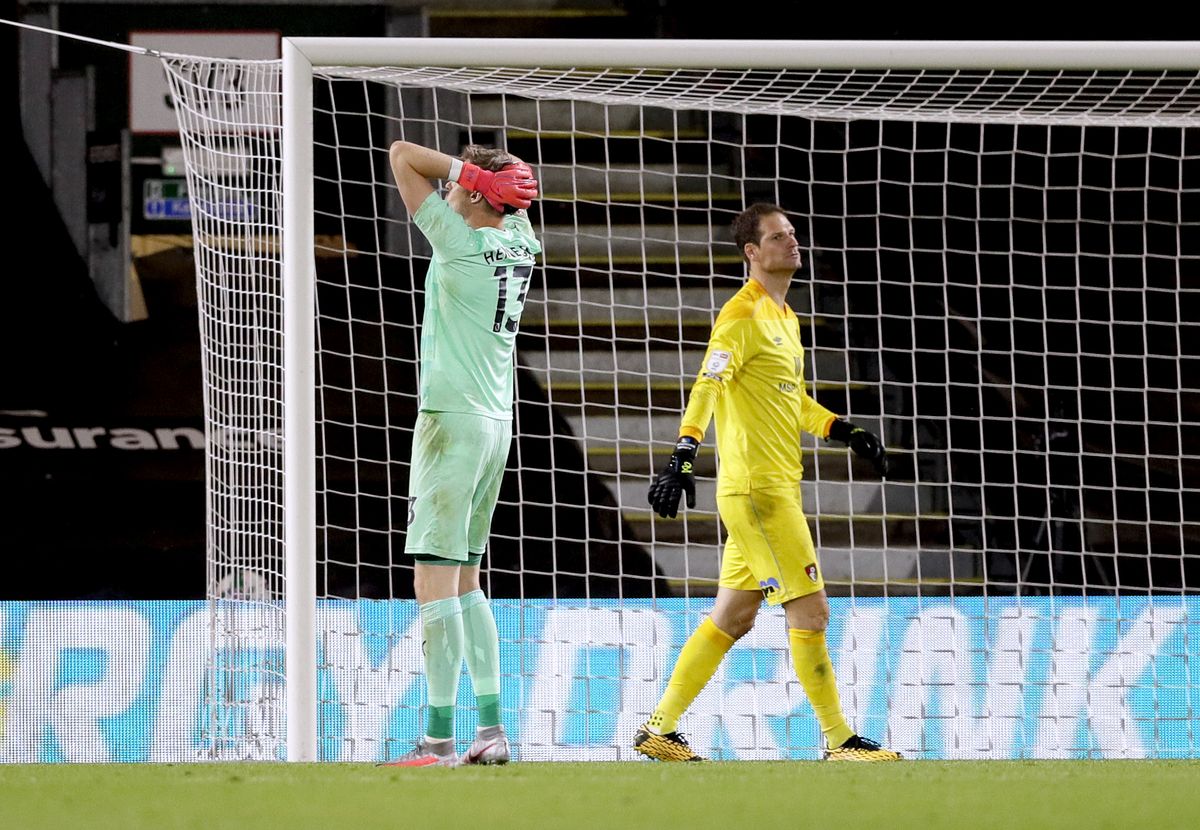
x: 752, y: 381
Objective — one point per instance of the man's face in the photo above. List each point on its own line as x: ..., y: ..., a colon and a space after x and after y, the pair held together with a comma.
x: 458, y: 198
x: 777, y: 251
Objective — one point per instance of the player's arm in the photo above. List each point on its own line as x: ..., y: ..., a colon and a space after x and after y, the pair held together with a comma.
x: 677, y: 477
x: 821, y: 422
x: 863, y: 442
x: 413, y: 166
x: 513, y: 188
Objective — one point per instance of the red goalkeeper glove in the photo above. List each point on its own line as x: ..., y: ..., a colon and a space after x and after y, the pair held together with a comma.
x: 513, y: 187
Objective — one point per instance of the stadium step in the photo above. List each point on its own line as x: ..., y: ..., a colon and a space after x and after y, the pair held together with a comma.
x: 655, y: 428
x: 579, y: 366
x: 602, y: 397
x: 860, y: 496
x: 638, y: 259
x: 829, y: 530
x: 662, y: 242
x: 634, y: 183
x: 895, y: 570
x: 826, y: 460
x: 625, y: 318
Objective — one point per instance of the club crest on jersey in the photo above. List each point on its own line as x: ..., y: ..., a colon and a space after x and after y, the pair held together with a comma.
x: 811, y: 570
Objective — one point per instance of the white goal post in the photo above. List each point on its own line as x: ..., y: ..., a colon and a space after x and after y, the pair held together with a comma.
x: 1002, y: 278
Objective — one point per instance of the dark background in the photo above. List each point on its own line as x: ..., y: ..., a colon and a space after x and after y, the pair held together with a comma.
x: 131, y: 524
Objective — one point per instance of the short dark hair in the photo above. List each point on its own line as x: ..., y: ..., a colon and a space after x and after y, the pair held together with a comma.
x: 746, y: 224
x: 488, y: 158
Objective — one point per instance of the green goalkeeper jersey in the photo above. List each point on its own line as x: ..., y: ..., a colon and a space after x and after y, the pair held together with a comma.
x: 474, y: 294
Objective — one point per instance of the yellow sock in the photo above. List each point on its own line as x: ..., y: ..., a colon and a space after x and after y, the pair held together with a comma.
x: 697, y: 663
x: 810, y: 656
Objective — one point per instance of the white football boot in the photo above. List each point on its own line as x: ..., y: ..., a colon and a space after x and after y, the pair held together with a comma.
x: 489, y: 747
x: 426, y: 754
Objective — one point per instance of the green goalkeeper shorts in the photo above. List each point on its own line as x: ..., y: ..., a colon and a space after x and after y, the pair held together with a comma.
x: 457, y: 467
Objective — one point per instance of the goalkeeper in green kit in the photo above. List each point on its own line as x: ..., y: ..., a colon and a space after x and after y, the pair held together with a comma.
x: 483, y: 258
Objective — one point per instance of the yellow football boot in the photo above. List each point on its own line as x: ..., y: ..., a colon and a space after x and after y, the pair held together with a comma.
x: 861, y: 749
x: 669, y: 747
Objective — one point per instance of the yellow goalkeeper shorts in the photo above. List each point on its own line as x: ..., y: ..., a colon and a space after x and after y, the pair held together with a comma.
x: 769, y: 547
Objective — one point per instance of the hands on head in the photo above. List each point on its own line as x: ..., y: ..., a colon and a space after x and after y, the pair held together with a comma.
x: 513, y: 186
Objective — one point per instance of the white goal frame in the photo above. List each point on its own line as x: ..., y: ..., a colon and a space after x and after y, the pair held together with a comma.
x: 301, y: 55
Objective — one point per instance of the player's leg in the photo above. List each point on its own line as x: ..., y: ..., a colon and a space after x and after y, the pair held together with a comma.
x: 807, y: 619
x: 435, y: 584
x: 784, y: 558
x: 490, y: 745
x: 732, y: 616
x: 436, y: 588
x: 734, y: 610
x: 479, y: 625
x: 437, y: 540
x: 778, y: 549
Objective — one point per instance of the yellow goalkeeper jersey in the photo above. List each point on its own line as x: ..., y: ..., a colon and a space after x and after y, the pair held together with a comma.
x: 752, y: 380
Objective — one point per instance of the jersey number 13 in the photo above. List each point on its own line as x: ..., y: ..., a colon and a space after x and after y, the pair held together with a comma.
x: 505, y: 274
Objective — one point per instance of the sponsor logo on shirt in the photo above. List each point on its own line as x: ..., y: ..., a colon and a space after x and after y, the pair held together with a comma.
x: 717, y: 361
x: 787, y: 388
x: 768, y: 586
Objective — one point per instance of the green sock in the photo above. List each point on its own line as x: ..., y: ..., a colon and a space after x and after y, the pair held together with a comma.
x: 442, y: 624
x: 483, y: 655
x: 441, y: 722
x: 489, y: 710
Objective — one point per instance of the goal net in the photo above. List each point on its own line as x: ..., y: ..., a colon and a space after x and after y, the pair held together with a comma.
x: 1002, y: 262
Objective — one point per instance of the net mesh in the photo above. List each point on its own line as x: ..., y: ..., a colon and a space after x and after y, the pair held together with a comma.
x: 1000, y: 280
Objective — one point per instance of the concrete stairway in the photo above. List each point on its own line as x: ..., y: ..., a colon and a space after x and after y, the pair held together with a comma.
x: 638, y: 259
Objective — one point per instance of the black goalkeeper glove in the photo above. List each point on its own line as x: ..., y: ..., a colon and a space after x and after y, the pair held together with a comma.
x: 864, y: 444
x: 675, y: 479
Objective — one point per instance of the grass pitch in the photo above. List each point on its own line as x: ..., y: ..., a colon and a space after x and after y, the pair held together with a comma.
x: 966, y: 795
